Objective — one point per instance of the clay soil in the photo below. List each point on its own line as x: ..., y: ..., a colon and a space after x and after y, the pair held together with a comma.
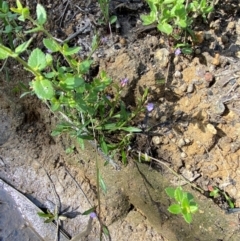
x: 194, y: 127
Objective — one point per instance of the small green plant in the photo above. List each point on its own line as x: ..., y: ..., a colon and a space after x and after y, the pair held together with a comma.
x: 50, y: 217
x: 107, y: 19
x: 216, y: 192
x: 173, y: 17
x: 9, y: 21
x: 185, y: 203
x: 84, y: 106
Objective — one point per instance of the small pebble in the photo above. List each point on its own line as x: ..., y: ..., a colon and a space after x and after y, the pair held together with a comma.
x: 187, y: 141
x: 190, y: 88
x: 156, y: 140
x: 176, y: 60
x: 225, y: 39
x: 177, y: 74
x: 183, y: 155
x: 208, y: 77
x: 219, y: 108
x: 230, y: 26
x: 181, y: 143
x: 211, y: 129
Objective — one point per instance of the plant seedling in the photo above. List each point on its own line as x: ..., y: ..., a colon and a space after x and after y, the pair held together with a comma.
x: 173, y: 17
x: 185, y: 203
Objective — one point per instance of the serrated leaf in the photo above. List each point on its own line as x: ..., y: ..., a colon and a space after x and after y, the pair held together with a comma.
x: 175, y: 209
x: 170, y: 191
x: 188, y: 217
x: 193, y: 209
x: 148, y: 19
x: 185, y: 202
x: 165, y: 28
x: 21, y: 48
x: 37, y: 59
x: 85, y: 66
x: 41, y: 14
x: 89, y: 211
x: 43, y: 89
x: 178, y: 194
x: 72, y: 82
x: 51, y: 44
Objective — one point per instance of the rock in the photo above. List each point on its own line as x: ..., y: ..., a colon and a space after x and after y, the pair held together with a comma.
x: 216, y: 60
x: 176, y: 60
x: 162, y: 57
x: 211, y: 129
x: 230, y: 26
x: 208, y: 77
x: 156, y: 140
x: 181, y: 142
x: 190, y: 88
x: 218, y: 108
x: 177, y: 74
x: 183, y: 155
x: 187, y: 141
x: 224, y: 39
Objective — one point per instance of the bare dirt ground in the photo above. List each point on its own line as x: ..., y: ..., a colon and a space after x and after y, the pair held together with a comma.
x: 195, y: 121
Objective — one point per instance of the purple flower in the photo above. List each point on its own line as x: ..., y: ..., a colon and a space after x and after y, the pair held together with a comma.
x: 108, y: 97
x: 150, y: 107
x: 93, y: 215
x: 178, y: 51
x: 104, y: 40
x: 124, y: 82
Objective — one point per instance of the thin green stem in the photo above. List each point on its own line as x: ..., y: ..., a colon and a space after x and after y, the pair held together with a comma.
x: 24, y: 63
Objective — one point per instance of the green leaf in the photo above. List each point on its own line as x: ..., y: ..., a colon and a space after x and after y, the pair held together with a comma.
x: 193, y: 208
x: 44, y: 215
x: 84, y: 66
x: 104, y: 146
x: 113, y: 19
x: 102, y: 184
x: 43, y: 89
x: 190, y: 196
x: 37, y: 59
x: 148, y: 19
x: 3, y: 53
x: 182, y: 23
x: 41, y: 14
x: 105, y: 230
x: 178, y: 194
x: 34, y: 30
x: 131, y: 129
x: 89, y: 210
x: 21, y: 48
x: 185, y: 202
x: 51, y: 44
x: 70, y: 51
x: 175, y: 209
x: 170, y: 192
x: 124, y: 157
x: 165, y: 28
x: 188, y: 217
x: 72, y: 82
